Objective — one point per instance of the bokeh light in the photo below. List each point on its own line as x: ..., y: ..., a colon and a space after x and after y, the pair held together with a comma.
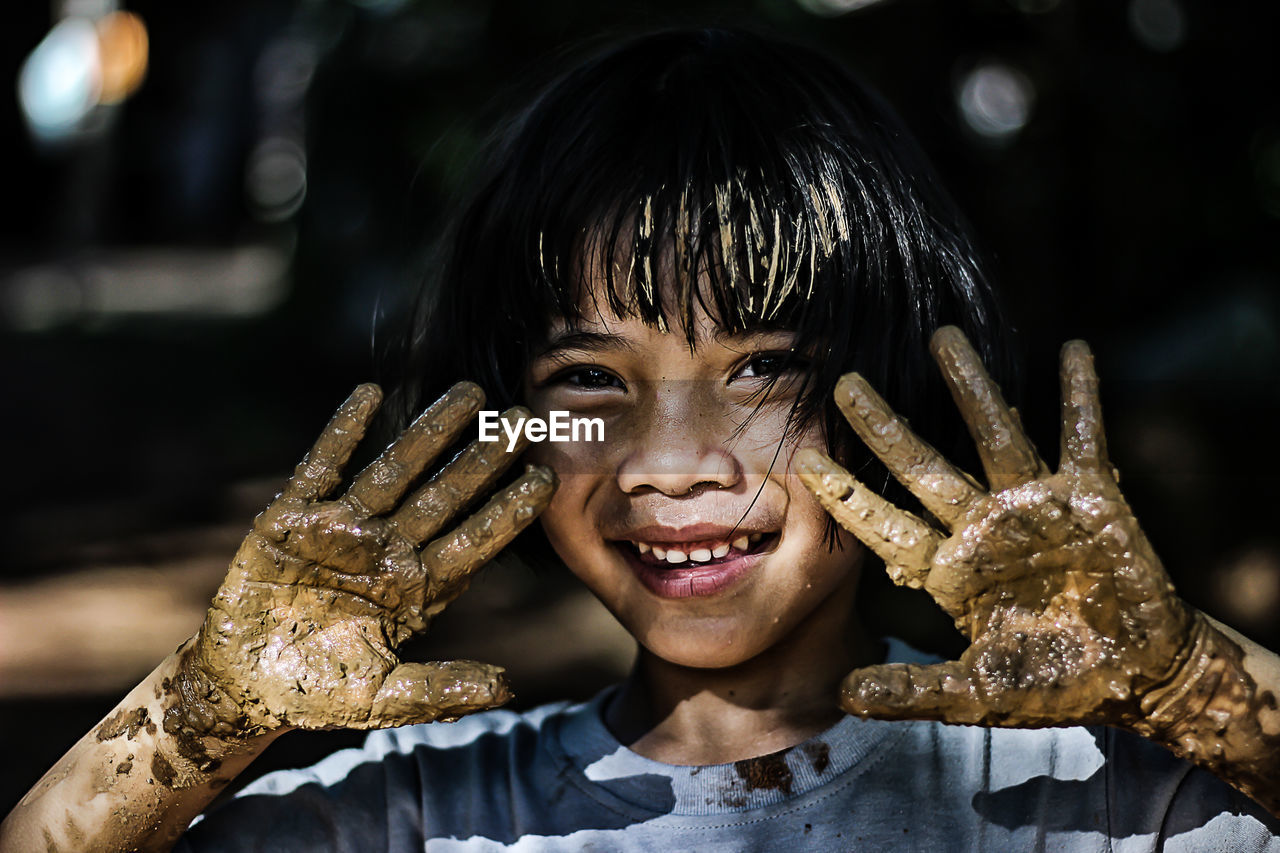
x: 1159, y: 24
x: 1249, y: 588
x: 80, y: 65
x: 285, y: 69
x: 61, y: 81
x: 276, y: 179
x: 246, y: 281
x: 122, y: 45
x: 995, y: 101
x: 831, y: 8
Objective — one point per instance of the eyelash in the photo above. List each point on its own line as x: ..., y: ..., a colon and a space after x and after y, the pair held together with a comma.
x: 784, y: 361
x: 568, y: 377
x: 590, y: 377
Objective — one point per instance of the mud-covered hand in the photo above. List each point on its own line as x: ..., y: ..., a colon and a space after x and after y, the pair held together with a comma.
x: 303, y: 631
x: 1070, y: 615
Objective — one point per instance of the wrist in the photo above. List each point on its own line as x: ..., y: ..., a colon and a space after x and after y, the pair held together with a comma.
x: 204, y: 721
x: 1218, y: 711
x: 1210, y: 712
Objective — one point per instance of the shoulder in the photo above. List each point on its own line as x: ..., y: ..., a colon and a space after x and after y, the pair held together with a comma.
x: 489, y: 725
x: 482, y: 737
x: 1072, y: 783
x: 383, y: 794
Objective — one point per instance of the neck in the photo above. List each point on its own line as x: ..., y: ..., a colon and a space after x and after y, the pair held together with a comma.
x: 781, y: 697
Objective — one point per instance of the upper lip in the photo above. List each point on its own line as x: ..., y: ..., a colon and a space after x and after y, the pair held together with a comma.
x: 690, y: 533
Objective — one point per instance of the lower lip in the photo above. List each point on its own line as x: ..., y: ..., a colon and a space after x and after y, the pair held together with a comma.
x: 689, y: 581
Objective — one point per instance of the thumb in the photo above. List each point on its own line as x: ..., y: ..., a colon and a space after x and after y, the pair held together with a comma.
x: 908, y: 691
x: 426, y: 692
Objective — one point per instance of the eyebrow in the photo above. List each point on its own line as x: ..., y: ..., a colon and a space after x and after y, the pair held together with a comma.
x: 586, y: 341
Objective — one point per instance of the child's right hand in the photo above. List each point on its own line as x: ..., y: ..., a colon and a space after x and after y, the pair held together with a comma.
x: 303, y: 630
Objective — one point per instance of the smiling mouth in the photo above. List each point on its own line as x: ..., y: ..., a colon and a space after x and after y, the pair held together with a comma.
x: 691, y: 555
x: 696, y: 569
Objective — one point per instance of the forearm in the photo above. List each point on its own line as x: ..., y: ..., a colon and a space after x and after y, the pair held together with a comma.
x: 134, y: 782
x: 1220, y: 711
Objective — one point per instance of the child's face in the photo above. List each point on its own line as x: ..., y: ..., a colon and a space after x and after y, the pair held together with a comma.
x: 671, y: 479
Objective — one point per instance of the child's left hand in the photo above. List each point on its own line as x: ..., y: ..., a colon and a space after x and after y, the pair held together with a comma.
x: 1070, y: 613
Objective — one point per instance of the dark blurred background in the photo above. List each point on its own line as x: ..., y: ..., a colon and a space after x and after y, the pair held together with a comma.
x: 201, y: 224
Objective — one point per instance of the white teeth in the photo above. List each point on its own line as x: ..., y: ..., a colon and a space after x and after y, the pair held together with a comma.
x: 702, y: 554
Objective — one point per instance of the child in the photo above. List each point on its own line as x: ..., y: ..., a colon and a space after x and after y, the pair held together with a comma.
x: 692, y: 238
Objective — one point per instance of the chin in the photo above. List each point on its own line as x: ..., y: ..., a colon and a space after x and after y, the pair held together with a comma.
x: 705, y: 647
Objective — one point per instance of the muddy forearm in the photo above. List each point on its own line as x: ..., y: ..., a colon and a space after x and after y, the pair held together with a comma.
x: 1220, y: 712
x: 131, y: 783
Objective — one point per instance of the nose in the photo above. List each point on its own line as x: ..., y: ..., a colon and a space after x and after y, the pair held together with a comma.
x: 679, y: 441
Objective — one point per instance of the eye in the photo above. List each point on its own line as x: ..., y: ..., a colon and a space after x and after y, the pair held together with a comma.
x: 767, y: 365
x: 589, y: 378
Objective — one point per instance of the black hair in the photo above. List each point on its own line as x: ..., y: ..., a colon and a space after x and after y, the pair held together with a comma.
x: 762, y: 166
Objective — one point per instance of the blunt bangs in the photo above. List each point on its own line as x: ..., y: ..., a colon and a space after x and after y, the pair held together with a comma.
x: 717, y: 170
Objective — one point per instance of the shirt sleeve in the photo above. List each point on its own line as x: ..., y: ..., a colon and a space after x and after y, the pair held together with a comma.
x: 343, y: 803
x: 1200, y: 812
x: 387, y: 794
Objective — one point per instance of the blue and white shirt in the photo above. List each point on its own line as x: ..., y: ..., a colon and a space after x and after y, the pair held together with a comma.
x: 554, y: 778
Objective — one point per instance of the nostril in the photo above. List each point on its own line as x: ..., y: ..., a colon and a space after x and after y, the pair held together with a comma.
x: 679, y: 470
x: 697, y: 488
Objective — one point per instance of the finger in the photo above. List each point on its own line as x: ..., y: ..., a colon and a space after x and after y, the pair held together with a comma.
x: 452, y: 558
x: 475, y: 469
x: 1008, y: 457
x: 426, y: 692
x: 904, y: 542
x: 379, y: 487
x: 946, y: 491
x: 320, y: 471
x: 1084, y: 443
x: 908, y: 691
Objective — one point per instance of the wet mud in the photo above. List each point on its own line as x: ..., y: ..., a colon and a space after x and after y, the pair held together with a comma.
x: 302, y: 632
x: 768, y: 772
x: 819, y: 755
x: 1070, y: 614
x: 126, y: 723
x: 1215, y: 714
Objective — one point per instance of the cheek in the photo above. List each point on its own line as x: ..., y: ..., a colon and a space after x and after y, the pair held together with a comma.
x: 575, y: 458
x: 809, y: 524
x: 806, y: 510
x: 563, y: 519
x: 568, y: 525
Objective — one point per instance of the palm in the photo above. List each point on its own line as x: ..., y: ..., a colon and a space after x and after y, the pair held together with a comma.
x: 303, y: 630
x: 1069, y: 614
x: 307, y: 605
